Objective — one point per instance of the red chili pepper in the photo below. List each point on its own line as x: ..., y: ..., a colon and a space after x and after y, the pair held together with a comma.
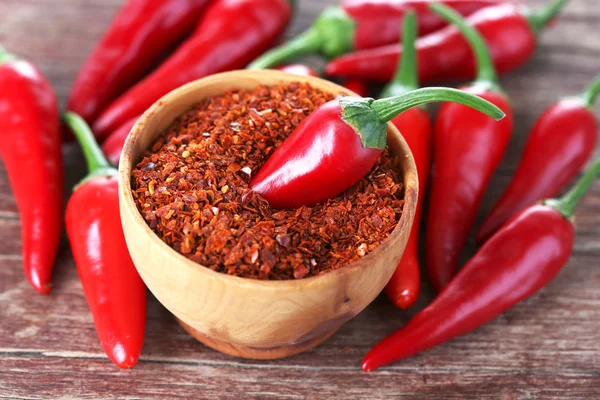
x: 113, y: 145
x: 468, y: 147
x: 30, y: 147
x: 510, y: 31
x: 230, y: 35
x: 298, y: 69
x: 359, y: 87
x: 520, y: 259
x: 562, y: 140
x: 141, y: 33
x: 336, y: 145
x: 360, y: 24
x: 113, y: 288
x: 415, y: 126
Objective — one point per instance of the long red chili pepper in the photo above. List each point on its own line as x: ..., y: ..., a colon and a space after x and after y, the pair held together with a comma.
x: 230, y: 35
x: 140, y: 34
x: 30, y: 147
x: 358, y: 86
x: 562, y: 140
x: 415, y: 126
x: 360, y: 24
x: 113, y: 289
x: 298, y: 69
x: 520, y: 259
x: 467, y: 149
x: 336, y: 145
x: 510, y: 31
x: 113, y: 145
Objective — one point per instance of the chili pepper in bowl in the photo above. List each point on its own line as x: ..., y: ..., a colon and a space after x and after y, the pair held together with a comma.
x: 298, y: 69
x: 140, y: 34
x: 518, y: 260
x: 360, y: 24
x: 113, y: 145
x: 338, y: 143
x: 113, y: 288
x: 510, y: 31
x: 230, y: 35
x: 562, y: 140
x: 358, y: 86
x: 30, y: 147
x: 468, y: 147
x: 415, y: 126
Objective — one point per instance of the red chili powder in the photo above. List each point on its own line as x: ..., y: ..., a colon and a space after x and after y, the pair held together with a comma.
x: 192, y: 190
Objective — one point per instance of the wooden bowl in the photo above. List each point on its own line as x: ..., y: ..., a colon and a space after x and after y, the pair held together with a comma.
x: 245, y: 317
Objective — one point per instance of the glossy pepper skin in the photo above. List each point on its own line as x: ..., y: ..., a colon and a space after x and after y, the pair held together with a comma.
x: 467, y: 148
x: 360, y: 24
x: 415, y: 126
x: 298, y: 69
x: 30, y: 147
x: 358, y: 86
x: 113, y: 289
x: 561, y: 142
x: 509, y: 30
x: 519, y: 260
x: 113, y: 145
x: 230, y: 35
x: 336, y: 145
x: 140, y: 34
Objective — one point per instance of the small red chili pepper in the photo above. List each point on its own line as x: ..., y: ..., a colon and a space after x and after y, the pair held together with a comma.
x: 510, y: 31
x: 141, y: 33
x: 360, y: 24
x: 336, y: 145
x: 519, y: 260
x: 113, y: 145
x: 30, y: 147
x: 415, y: 126
x: 298, y: 69
x: 562, y: 140
x: 359, y: 87
x: 230, y: 35
x: 113, y: 288
x: 468, y: 147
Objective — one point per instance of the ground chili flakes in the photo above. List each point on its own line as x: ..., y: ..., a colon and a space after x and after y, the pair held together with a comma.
x: 192, y: 190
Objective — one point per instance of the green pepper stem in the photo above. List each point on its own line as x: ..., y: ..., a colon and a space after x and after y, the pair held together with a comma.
x: 388, y: 108
x: 486, y: 71
x: 590, y: 95
x: 97, y: 163
x: 307, y: 42
x: 406, y: 77
x: 5, y: 56
x: 567, y: 204
x: 538, y: 19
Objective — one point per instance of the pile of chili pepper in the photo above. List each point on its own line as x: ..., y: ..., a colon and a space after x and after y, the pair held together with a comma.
x: 152, y: 47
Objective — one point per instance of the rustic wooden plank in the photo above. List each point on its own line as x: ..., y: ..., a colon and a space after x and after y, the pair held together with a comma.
x: 545, y: 347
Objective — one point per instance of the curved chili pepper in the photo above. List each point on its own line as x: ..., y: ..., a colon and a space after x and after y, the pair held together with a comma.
x: 298, y: 69
x: 358, y: 86
x: 336, y: 145
x: 510, y: 31
x: 140, y: 34
x: 30, y: 147
x: 360, y: 24
x: 113, y: 288
x: 415, y: 126
x: 113, y: 145
x: 562, y: 140
x: 468, y: 147
x: 519, y: 260
x: 230, y: 35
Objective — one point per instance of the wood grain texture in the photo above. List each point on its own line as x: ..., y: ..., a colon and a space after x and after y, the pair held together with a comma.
x: 544, y: 348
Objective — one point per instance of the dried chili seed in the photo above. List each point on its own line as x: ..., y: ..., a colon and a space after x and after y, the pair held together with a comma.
x: 192, y: 190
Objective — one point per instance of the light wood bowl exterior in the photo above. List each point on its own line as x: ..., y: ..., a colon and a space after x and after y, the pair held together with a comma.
x: 240, y: 316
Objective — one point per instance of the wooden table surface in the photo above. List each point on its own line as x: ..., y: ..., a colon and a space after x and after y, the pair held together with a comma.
x: 546, y: 347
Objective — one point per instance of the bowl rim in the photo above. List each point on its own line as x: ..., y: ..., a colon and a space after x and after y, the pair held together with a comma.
x: 126, y: 164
